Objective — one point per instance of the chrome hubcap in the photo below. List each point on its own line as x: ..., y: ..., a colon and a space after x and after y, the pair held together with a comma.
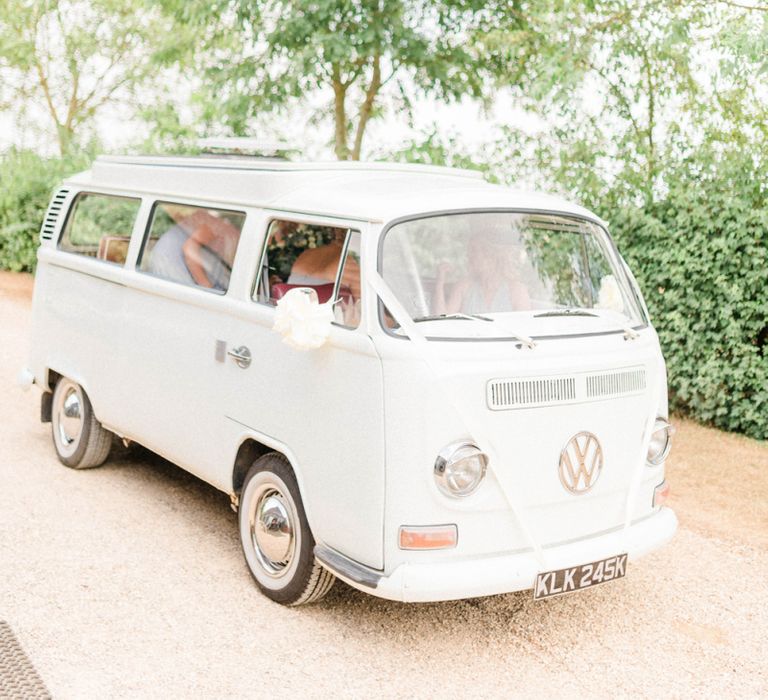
x: 70, y: 416
x: 272, y: 531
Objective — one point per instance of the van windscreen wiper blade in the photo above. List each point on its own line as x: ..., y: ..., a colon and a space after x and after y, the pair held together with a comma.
x: 566, y: 312
x: 452, y: 317
x: 524, y: 339
x: 629, y: 332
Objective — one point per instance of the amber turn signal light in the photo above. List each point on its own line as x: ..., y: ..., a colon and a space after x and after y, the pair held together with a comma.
x: 661, y: 494
x: 428, y: 537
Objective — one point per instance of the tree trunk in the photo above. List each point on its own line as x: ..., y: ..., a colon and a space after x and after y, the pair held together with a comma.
x: 340, y: 115
x: 66, y: 137
x: 367, y: 107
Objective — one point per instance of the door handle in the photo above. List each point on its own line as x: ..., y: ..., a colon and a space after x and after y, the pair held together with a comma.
x: 241, y: 356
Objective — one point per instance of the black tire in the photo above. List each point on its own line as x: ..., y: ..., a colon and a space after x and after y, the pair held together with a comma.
x: 277, y: 543
x: 80, y: 440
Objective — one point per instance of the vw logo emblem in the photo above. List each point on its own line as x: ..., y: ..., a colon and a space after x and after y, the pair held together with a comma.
x: 581, y: 462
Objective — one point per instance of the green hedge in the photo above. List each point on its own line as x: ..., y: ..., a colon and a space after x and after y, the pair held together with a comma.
x: 26, y: 184
x: 701, y: 256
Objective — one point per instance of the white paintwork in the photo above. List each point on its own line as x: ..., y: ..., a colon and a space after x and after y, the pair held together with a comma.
x: 361, y: 191
x: 456, y: 578
x: 362, y: 418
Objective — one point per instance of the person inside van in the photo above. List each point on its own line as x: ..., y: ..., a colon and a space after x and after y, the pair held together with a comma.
x: 316, y: 266
x: 198, y: 249
x: 495, y: 260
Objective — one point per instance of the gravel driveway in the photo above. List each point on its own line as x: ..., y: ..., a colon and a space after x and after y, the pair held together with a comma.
x: 128, y: 581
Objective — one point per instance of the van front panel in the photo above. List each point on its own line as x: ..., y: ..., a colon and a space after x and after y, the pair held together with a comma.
x: 527, y: 441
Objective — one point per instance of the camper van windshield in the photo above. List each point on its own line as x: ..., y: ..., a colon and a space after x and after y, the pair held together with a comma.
x: 530, y: 268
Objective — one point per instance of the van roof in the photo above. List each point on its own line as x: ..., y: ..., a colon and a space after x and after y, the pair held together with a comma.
x: 350, y: 190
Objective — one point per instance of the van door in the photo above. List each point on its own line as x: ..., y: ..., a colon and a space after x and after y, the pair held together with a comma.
x: 175, y: 307
x: 324, y: 405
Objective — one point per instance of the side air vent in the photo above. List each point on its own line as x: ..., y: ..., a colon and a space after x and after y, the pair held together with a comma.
x: 541, y: 391
x: 52, y: 215
x: 615, y: 383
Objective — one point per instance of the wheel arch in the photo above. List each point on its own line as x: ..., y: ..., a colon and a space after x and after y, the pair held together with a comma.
x: 53, y: 376
x: 50, y: 378
x: 253, y: 445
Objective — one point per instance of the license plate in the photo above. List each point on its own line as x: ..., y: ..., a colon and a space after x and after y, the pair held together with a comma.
x: 577, y: 578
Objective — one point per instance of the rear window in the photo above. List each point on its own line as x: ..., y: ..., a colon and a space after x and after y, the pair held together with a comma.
x: 99, y: 226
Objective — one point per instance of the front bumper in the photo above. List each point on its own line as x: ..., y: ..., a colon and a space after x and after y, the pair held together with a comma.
x: 483, y: 576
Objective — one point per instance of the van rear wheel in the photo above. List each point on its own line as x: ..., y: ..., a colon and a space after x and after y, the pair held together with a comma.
x: 80, y: 440
x: 277, y: 543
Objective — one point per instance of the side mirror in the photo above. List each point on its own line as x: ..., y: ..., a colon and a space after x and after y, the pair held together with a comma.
x: 303, y: 322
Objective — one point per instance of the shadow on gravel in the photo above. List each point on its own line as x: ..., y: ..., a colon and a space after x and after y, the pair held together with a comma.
x: 137, y: 462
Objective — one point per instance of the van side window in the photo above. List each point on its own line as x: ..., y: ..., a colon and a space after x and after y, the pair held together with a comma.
x: 192, y: 245
x: 99, y: 226
x: 309, y: 255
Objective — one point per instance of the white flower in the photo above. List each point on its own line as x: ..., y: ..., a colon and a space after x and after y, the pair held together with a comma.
x: 609, y: 296
x: 303, y: 323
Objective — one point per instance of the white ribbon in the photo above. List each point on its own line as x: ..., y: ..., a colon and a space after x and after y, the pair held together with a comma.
x: 303, y: 323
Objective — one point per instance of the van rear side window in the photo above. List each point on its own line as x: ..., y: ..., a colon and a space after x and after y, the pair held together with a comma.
x: 99, y: 226
x: 192, y: 245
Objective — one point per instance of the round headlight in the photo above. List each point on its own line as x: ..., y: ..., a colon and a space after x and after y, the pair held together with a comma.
x: 459, y: 469
x: 661, y: 442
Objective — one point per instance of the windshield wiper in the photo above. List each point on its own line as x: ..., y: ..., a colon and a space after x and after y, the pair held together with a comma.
x: 629, y: 332
x: 524, y: 339
x: 452, y: 317
x: 566, y: 312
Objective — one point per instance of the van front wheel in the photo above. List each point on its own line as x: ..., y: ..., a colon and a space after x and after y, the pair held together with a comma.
x: 277, y: 543
x: 80, y: 440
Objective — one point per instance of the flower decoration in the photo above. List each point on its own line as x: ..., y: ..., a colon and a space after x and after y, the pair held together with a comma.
x: 301, y: 320
x: 609, y: 296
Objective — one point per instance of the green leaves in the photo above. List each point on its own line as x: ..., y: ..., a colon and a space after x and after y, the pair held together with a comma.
x: 26, y: 184
x: 352, y: 52
x: 69, y: 58
x: 701, y: 256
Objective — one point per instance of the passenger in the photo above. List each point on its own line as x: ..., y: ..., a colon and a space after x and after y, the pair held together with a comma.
x: 495, y: 261
x: 316, y: 266
x: 198, y: 249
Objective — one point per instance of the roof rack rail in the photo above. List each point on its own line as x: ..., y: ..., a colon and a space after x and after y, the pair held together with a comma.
x: 260, y: 163
x: 245, y: 146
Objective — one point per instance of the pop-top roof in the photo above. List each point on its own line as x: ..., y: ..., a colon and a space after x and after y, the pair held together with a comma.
x: 350, y: 190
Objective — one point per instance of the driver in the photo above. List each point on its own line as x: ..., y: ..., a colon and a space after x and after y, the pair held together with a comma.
x: 495, y: 261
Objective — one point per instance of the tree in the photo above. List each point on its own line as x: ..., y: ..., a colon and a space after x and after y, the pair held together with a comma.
x: 350, y: 51
x: 73, y: 57
x: 641, y: 85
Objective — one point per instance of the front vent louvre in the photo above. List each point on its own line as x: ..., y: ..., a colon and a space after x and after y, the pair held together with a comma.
x: 52, y: 215
x: 615, y: 383
x: 531, y: 392
x: 515, y: 393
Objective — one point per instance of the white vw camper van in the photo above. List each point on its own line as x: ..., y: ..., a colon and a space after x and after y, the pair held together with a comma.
x: 425, y: 385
